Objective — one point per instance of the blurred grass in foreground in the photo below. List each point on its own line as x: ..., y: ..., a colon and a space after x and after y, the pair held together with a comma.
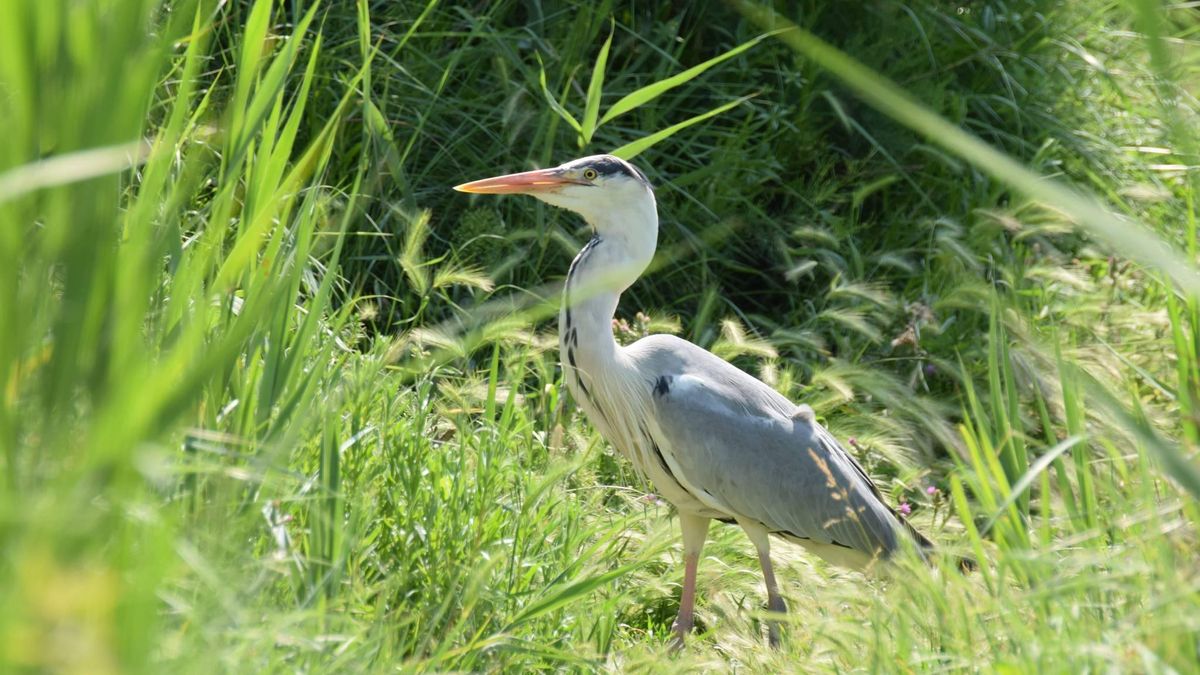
x: 262, y: 409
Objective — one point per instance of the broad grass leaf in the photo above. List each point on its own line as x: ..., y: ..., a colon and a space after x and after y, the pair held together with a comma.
x: 652, y: 91
x: 631, y: 150
x: 595, y: 88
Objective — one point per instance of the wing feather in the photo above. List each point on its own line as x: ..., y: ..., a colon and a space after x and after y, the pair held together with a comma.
x: 784, y: 471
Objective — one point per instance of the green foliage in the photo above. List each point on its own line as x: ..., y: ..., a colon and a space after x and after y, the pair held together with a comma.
x: 272, y: 398
x: 633, y: 100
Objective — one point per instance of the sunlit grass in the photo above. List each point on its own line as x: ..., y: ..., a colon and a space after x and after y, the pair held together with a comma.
x: 272, y: 398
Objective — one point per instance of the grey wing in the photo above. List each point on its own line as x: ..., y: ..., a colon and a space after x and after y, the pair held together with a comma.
x: 786, y: 472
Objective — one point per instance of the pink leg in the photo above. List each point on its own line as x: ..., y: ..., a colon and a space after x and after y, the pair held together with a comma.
x: 775, y: 601
x: 762, y: 542
x: 695, y: 530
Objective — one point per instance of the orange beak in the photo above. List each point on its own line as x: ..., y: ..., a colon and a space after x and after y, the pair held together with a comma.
x: 527, y: 182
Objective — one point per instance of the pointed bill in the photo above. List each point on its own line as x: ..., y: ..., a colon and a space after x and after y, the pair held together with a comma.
x: 541, y: 180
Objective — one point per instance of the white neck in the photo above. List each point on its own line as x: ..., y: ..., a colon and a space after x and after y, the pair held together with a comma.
x: 624, y: 243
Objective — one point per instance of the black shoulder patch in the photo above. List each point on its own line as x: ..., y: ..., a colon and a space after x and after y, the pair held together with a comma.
x: 662, y: 386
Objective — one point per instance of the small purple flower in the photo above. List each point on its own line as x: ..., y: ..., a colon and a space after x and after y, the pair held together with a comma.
x: 930, y: 369
x: 853, y: 442
x: 905, y: 508
x: 931, y: 490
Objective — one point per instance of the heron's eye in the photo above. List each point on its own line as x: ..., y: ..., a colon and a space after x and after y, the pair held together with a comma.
x: 590, y: 174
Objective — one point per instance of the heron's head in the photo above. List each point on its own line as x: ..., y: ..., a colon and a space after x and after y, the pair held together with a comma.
x: 600, y: 188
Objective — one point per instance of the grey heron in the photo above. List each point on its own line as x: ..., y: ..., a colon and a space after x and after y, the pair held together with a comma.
x: 715, y: 441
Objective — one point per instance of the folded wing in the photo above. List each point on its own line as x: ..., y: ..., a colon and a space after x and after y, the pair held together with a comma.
x: 784, y: 471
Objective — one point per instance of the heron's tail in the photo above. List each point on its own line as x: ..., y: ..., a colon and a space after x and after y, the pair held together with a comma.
x: 965, y: 563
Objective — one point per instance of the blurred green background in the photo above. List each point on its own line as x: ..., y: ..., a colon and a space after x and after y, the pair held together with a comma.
x: 273, y: 398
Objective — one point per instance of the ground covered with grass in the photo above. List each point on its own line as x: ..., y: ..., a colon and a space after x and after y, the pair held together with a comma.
x: 273, y: 398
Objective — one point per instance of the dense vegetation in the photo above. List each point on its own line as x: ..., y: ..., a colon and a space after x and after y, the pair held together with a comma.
x: 273, y: 398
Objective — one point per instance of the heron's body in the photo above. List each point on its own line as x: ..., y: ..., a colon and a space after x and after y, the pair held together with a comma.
x: 715, y: 441
x: 706, y: 417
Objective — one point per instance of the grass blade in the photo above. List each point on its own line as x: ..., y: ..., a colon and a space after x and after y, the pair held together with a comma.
x: 563, y: 594
x: 553, y: 102
x: 1175, y: 463
x: 1022, y: 484
x: 71, y: 168
x: 631, y: 150
x: 652, y: 91
x: 1131, y: 237
x: 592, y: 109
x: 963, y: 508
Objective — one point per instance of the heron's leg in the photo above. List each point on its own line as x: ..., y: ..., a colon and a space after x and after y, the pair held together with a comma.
x: 695, y: 530
x: 775, y: 601
x: 762, y: 541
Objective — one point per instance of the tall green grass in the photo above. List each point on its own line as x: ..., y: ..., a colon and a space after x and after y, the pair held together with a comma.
x: 160, y: 283
x: 274, y: 399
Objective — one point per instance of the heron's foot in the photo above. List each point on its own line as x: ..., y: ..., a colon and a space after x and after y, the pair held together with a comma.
x: 775, y: 605
x: 773, y: 638
x: 681, y: 628
x: 676, y: 643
